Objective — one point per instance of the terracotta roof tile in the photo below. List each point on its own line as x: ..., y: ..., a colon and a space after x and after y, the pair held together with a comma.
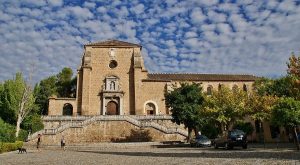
x: 199, y: 77
x: 113, y: 43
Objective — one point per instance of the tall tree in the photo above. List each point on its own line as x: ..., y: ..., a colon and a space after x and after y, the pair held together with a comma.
x: 287, y: 113
x: 260, y: 108
x: 17, y: 101
x: 185, y: 103
x: 294, y: 72
x: 227, y: 106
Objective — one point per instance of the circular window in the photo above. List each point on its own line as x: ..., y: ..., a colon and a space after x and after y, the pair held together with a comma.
x: 113, y: 64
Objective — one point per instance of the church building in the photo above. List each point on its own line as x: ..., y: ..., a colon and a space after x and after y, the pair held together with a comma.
x: 112, y: 80
x: 117, y: 99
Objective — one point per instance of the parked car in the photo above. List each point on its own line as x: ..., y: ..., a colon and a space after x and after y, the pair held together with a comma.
x: 200, y: 141
x: 231, y: 139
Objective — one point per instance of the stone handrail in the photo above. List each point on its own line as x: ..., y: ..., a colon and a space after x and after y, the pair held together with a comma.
x: 80, y: 118
x: 81, y: 121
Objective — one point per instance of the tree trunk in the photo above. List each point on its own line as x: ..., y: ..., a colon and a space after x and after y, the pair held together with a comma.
x: 190, y: 130
x: 297, y: 140
x: 18, y: 125
x: 196, y: 131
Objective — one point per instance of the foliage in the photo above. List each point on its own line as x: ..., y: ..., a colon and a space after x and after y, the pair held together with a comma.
x: 185, y: 103
x: 260, y: 107
x: 17, y: 101
x: 23, y: 134
x: 226, y: 106
x: 64, y: 83
x: 247, y: 127
x: 279, y: 87
x: 294, y: 73
x: 263, y: 86
x: 43, y: 91
x: 6, y: 147
x: 61, y: 85
x: 294, y: 66
x: 10, y: 98
x: 7, y: 132
x: 286, y: 113
x: 33, y: 123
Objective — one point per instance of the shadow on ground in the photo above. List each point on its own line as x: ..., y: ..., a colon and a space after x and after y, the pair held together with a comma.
x: 208, y: 153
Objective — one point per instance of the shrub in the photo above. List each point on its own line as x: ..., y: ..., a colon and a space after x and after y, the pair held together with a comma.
x: 6, y: 147
x: 7, y: 132
x: 33, y: 123
x: 22, y: 135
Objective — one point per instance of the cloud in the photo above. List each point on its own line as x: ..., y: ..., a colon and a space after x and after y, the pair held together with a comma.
x: 55, y: 2
x: 207, y: 36
x: 197, y: 16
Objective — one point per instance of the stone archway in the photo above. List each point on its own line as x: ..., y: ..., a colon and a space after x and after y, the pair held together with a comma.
x: 112, y: 108
x: 68, y: 109
x: 150, y: 109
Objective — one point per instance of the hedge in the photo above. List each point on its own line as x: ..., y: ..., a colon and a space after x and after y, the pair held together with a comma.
x: 6, y: 147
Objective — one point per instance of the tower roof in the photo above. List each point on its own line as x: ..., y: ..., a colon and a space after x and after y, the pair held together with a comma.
x: 113, y: 43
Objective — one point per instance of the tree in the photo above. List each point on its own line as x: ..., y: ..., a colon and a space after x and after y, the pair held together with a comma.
x: 226, y: 106
x: 43, y: 91
x: 64, y: 83
x: 294, y: 73
x: 61, y: 85
x: 287, y: 113
x: 280, y: 87
x: 17, y: 101
x: 185, y: 103
x: 260, y: 107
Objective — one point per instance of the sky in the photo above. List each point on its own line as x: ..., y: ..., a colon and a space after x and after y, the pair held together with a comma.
x: 256, y: 37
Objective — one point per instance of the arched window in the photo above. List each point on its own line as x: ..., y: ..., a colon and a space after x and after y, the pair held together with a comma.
x: 209, y: 90
x: 68, y: 110
x: 245, y: 88
x: 235, y: 88
x: 150, y: 109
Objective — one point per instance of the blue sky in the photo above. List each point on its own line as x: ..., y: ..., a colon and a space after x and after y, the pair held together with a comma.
x: 192, y: 36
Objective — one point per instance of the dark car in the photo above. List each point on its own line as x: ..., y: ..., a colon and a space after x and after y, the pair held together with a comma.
x: 200, y: 141
x: 231, y: 139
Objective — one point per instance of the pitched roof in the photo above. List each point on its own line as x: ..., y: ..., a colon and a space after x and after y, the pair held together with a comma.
x: 112, y: 43
x: 198, y: 77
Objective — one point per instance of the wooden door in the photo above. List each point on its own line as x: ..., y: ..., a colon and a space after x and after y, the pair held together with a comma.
x: 112, y: 108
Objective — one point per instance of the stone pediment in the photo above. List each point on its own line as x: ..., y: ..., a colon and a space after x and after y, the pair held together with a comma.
x: 113, y: 43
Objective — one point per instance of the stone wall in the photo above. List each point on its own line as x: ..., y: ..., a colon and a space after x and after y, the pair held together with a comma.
x: 109, y: 131
x: 56, y: 105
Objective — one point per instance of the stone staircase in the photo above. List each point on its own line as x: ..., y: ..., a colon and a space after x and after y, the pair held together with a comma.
x: 80, y: 122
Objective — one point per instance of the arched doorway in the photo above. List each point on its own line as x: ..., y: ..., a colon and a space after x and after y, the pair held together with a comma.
x: 112, y: 108
x: 68, y: 110
x: 150, y: 109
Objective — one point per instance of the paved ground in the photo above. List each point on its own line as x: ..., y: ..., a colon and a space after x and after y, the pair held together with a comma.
x: 152, y: 153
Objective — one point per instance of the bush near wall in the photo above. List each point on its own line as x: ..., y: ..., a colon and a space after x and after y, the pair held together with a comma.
x: 7, y: 132
x: 6, y: 147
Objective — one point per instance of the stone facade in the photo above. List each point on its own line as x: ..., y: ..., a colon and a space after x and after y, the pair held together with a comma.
x: 112, y: 74
x: 112, y: 80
